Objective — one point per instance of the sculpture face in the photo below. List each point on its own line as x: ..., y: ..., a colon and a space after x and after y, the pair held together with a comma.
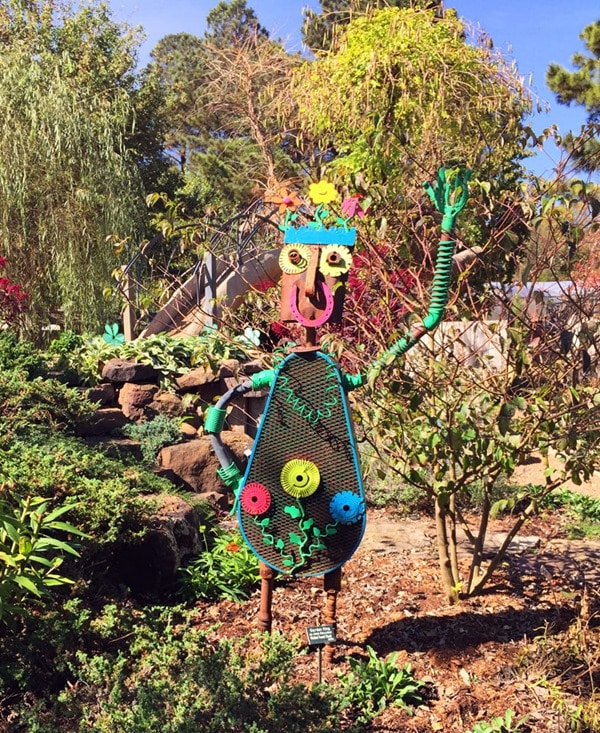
x: 313, y: 282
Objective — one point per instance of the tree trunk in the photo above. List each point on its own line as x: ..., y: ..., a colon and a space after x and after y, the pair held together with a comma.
x: 449, y: 582
x: 475, y: 571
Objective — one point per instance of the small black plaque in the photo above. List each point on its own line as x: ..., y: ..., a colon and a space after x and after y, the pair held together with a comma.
x: 319, y: 635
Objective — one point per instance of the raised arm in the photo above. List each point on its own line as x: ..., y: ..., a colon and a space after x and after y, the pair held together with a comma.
x: 449, y: 197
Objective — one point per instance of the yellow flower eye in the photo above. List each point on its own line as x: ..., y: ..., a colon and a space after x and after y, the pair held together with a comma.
x: 300, y: 478
x: 293, y: 258
x: 335, y: 260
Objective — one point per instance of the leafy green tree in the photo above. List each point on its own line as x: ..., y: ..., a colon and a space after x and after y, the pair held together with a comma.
x: 582, y: 87
x: 452, y: 423
x: 320, y: 29
x: 405, y: 93
x: 67, y: 179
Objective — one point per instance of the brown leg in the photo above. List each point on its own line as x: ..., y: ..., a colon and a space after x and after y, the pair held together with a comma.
x: 332, y: 583
x: 265, y: 617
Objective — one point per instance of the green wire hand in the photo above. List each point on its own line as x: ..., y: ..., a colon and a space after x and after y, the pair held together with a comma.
x: 449, y: 196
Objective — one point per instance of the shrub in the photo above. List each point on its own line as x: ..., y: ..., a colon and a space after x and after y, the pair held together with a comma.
x: 169, y: 356
x: 37, y: 405
x: 226, y: 569
x: 13, y: 299
x: 20, y: 356
x: 374, y: 684
x: 154, y: 435
x: 33, y: 541
x: 160, y: 673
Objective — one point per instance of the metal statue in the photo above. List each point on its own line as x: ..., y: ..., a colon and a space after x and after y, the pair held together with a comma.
x: 300, y: 503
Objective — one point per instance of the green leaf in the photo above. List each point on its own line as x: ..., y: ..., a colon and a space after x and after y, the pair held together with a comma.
x: 27, y: 584
x: 293, y: 511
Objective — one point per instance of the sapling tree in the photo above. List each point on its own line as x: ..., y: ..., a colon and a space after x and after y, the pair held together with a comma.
x: 511, y: 380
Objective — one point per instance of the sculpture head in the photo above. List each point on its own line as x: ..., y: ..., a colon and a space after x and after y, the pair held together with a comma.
x: 315, y: 260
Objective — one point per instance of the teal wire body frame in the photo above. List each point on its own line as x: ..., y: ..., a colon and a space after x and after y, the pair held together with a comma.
x: 306, y: 418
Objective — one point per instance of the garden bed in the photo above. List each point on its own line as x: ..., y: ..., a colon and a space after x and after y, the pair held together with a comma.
x: 478, y: 659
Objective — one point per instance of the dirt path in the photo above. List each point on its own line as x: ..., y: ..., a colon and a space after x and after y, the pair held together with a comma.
x: 532, y: 472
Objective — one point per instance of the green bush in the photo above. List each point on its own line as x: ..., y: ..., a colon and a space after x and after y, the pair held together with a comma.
x: 20, y: 356
x: 168, y: 355
x: 153, y: 435
x: 374, y: 684
x: 159, y: 673
x: 40, y: 405
x: 226, y: 569
x: 33, y: 541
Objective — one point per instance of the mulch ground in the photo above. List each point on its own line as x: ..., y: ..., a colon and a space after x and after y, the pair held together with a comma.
x: 478, y: 658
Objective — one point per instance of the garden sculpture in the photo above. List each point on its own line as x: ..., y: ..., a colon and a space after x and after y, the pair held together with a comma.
x: 300, y: 503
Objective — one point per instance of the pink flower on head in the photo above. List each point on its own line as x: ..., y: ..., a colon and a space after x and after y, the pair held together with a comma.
x: 351, y: 206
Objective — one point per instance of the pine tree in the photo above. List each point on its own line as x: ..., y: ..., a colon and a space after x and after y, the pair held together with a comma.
x: 582, y: 87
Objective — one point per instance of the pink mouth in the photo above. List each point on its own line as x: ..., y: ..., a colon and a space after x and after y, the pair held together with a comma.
x: 323, y: 318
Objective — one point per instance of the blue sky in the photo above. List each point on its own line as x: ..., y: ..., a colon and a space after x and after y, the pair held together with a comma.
x: 533, y: 33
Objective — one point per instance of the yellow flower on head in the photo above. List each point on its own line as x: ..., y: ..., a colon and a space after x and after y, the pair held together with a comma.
x: 322, y: 192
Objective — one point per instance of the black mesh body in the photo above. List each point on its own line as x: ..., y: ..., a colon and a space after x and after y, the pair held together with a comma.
x: 306, y: 417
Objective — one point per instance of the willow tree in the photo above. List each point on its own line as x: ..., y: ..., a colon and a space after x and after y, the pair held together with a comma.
x: 67, y: 181
x: 404, y: 92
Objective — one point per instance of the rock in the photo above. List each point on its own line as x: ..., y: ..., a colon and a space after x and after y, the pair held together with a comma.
x: 102, y: 422
x: 150, y: 566
x: 134, y: 398
x: 204, y: 375
x: 167, y: 403
x: 119, y: 448
x: 195, y: 463
x: 189, y: 430
x: 104, y: 394
x: 119, y: 371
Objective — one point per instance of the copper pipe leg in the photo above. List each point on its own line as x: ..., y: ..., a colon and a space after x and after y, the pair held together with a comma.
x: 265, y: 617
x: 332, y: 584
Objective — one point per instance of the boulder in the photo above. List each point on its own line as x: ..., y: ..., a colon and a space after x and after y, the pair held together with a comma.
x: 195, y: 464
x: 205, y: 375
x: 150, y: 566
x: 119, y: 371
x: 134, y: 398
x: 104, y: 394
x: 167, y: 403
x: 101, y: 422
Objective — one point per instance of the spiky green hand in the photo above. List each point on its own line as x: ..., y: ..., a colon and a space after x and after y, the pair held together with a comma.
x: 449, y: 195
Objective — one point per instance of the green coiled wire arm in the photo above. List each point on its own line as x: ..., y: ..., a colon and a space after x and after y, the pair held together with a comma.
x: 449, y: 195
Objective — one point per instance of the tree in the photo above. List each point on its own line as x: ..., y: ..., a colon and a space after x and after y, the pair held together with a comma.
x: 179, y: 68
x: 225, y: 94
x: 321, y: 30
x: 582, y: 87
x: 405, y: 93
x: 231, y: 23
x: 67, y: 180
x: 453, y: 421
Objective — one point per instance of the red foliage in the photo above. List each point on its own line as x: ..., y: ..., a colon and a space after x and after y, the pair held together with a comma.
x: 374, y: 299
x: 586, y: 272
x: 13, y: 299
